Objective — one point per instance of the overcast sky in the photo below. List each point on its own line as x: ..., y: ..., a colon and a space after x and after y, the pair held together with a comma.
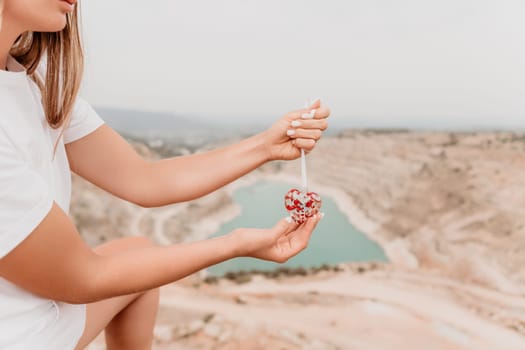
x: 405, y: 63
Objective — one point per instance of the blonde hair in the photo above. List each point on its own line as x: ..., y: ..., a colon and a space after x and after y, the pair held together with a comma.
x: 65, y: 65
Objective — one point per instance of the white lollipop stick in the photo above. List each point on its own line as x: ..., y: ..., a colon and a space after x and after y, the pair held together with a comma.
x: 303, y: 171
x: 303, y: 161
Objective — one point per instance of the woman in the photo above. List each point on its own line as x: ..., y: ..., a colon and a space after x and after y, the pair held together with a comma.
x: 56, y: 292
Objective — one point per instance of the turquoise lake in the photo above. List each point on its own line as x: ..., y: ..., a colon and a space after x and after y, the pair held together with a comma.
x: 335, y: 240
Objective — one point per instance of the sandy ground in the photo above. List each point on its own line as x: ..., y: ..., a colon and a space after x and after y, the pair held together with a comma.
x: 377, y: 308
x: 447, y: 209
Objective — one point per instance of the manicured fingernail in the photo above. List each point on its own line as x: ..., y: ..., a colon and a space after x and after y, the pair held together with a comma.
x: 289, y: 220
x: 315, y: 101
x: 312, y: 112
x: 290, y: 132
x: 307, y: 116
x: 296, y: 123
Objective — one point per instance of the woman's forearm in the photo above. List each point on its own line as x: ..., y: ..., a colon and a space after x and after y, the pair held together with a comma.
x: 55, y: 263
x: 185, y: 178
x: 147, y: 268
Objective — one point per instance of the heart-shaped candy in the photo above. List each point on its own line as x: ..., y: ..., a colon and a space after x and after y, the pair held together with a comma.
x: 302, y: 205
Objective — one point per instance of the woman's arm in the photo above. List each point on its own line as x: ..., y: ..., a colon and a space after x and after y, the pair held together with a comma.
x: 107, y: 160
x: 55, y: 263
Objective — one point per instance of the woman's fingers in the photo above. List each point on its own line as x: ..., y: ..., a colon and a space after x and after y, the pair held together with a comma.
x: 305, y: 138
x: 322, y: 112
x: 314, y: 134
x: 316, y: 104
x: 321, y: 124
x: 307, y: 126
x: 284, y: 227
x: 306, y: 144
x: 303, y: 234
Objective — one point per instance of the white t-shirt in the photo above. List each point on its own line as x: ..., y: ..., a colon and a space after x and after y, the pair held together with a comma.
x: 30, y: 180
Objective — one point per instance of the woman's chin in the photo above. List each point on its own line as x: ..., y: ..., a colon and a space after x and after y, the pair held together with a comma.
x: 55, y: 26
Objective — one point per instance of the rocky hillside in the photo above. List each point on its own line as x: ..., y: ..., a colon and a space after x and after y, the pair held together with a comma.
x: 447, y: 201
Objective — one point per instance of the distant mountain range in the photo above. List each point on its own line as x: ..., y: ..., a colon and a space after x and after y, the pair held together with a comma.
x: 170, y: 127
x: 132, y: 121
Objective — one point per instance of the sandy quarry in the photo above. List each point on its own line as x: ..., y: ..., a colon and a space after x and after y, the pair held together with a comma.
x: 447, y: 208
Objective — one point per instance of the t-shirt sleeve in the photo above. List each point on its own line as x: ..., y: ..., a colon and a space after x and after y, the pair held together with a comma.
x: 25, y: 198
x: 84, y: 120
